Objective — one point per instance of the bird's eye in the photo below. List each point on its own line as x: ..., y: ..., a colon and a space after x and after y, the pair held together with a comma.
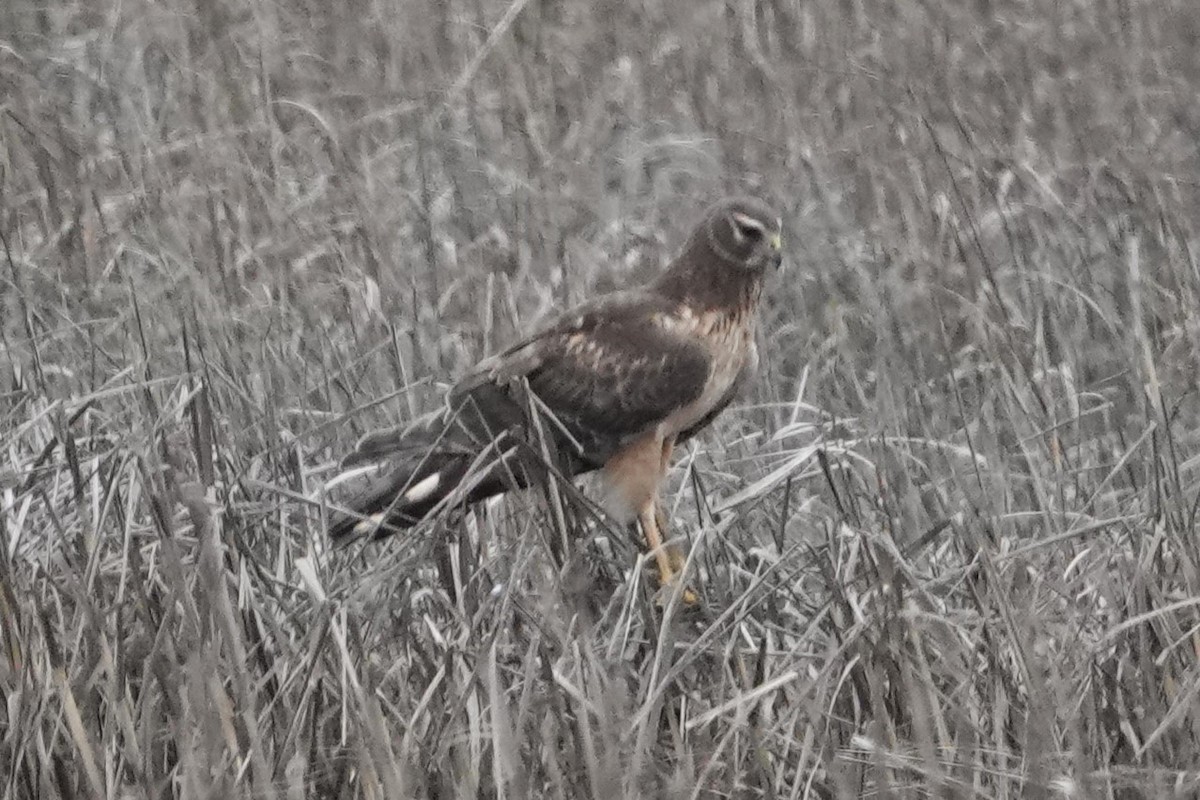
x: 748, y: 227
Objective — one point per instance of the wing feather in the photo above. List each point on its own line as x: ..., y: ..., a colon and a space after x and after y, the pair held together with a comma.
x: 608, y: 371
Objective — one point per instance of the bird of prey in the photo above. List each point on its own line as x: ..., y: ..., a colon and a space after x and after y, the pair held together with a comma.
x: 614, y: 384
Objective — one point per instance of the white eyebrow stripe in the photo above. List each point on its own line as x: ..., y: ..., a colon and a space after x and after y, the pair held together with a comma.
x: 748, y: 221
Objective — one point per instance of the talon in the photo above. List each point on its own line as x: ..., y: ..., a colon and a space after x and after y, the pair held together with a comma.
x: 670, y: 569
x: 689, y: 597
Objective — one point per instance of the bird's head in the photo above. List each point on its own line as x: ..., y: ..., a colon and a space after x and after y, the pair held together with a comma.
x: 745, y: 233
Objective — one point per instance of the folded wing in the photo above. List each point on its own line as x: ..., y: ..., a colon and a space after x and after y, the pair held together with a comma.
x: 601, y: 376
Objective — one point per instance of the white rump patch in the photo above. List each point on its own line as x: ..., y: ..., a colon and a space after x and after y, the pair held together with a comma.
x: 423, y: 488
x: 368, y: 525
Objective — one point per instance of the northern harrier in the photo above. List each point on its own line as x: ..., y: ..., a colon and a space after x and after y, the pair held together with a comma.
x: 623, y: 378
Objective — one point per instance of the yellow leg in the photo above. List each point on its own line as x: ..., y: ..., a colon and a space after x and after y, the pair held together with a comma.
x: 636, y: 474
x: 670, y: 559
x: 675, y: 556
x: 648, y: 517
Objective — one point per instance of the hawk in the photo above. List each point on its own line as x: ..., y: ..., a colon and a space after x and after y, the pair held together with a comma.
x: 614, y: 384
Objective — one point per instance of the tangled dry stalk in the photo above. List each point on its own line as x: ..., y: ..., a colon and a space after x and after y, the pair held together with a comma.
x: 948, y: 548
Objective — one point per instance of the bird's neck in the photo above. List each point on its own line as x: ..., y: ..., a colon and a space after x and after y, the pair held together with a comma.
x: 702, y: 279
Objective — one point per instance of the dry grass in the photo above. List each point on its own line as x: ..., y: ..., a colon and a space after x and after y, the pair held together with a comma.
x: 948, y: 548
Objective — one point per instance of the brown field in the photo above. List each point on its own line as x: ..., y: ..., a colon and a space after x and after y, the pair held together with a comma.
x: 947, y: 547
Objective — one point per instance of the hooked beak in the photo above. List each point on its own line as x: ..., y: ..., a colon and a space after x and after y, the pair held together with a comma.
x: 777, y: 250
